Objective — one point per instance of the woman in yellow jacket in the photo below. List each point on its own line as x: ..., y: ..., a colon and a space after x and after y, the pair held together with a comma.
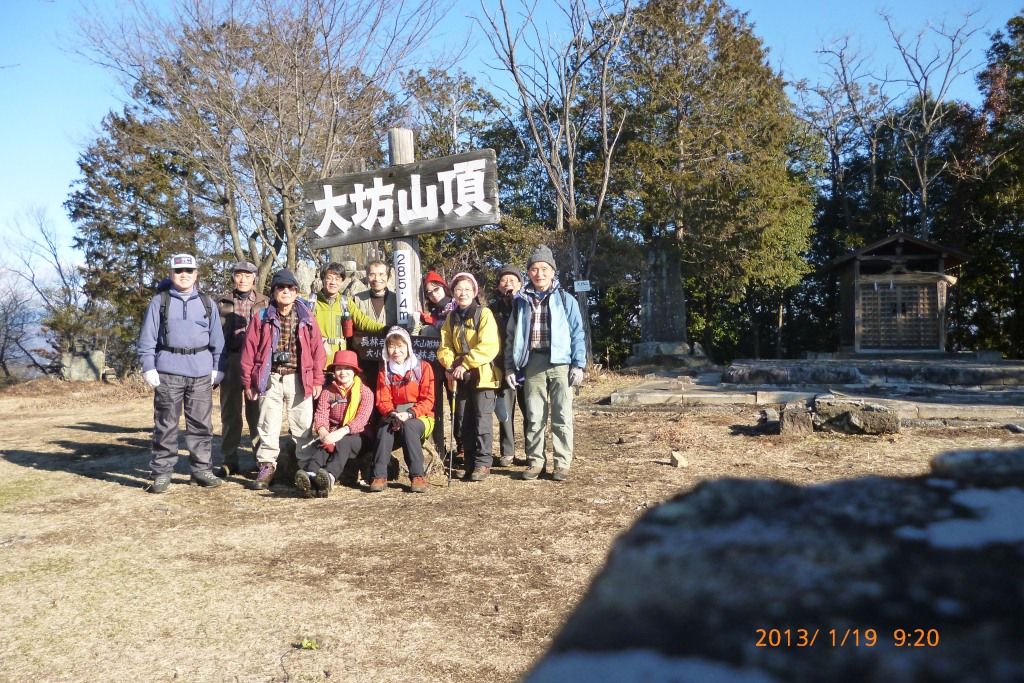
x: 470, y: 341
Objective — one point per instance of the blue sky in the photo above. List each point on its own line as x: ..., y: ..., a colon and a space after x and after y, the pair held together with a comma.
x: 54, y: 101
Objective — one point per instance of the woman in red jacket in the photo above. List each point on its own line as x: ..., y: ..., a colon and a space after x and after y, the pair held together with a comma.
x: 405, y: 402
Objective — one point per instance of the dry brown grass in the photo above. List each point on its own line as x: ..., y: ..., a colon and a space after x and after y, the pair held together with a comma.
x: 100, y: 581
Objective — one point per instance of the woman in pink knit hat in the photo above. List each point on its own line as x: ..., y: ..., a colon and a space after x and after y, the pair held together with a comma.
x: 470, y: 341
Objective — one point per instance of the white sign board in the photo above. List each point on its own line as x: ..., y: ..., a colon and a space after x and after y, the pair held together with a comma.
x: 581, y: 285
x: 406, y: 263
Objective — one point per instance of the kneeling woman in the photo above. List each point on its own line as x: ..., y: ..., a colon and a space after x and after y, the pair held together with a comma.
x: 341, y: 421
x: 405, y: 403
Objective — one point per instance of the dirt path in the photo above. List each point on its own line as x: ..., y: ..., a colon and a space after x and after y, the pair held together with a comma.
x: 102, y: 582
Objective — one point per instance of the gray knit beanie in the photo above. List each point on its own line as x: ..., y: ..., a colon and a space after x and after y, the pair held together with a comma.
x: 542, y: 254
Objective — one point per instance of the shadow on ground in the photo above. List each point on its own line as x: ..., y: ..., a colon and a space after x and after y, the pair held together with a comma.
x: 122, y: 459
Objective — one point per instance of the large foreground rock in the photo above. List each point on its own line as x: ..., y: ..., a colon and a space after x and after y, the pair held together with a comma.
x: 688, y: 593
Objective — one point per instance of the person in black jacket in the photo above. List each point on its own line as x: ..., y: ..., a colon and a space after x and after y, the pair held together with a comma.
x: 509, y: 282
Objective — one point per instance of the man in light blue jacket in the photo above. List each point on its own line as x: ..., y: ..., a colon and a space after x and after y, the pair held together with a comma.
x: 545, y: 349
x: 179, y: 349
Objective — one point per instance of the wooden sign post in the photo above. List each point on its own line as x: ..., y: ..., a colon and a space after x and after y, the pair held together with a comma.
x: 405, y: 253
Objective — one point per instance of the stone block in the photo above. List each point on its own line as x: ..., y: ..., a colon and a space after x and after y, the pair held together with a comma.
x: 677, y: 459
x: 718, y: 398
x: 85, y: 366
x: 645, y: 398
x: 796, y: 419
x: 645, y: 350
x: 779, y: 396
x: 855, y: 416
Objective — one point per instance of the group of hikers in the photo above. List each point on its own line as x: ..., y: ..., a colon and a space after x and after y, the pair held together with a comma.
x: 286, y: 358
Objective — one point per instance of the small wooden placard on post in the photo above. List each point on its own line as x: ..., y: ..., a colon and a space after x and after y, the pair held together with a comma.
x: 449, y: 193
x: 371, y: 347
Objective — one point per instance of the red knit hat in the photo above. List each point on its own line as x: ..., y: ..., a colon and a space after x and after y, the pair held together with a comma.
x: 432, y: 276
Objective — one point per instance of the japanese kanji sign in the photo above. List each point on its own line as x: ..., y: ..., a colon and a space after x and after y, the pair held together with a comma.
x: 439, y: 194
x: 372, y: 347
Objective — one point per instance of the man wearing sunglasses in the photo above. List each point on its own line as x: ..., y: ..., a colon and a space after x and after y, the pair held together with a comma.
x: 179, y: 349
x: 283, y: 368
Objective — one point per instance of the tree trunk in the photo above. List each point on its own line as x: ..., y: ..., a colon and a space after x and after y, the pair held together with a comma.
x: 778, y: 327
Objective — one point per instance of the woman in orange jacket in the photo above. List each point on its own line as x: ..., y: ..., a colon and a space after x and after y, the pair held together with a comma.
x: 405, y: 403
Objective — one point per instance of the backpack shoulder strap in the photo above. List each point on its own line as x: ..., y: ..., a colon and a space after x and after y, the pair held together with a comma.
x: 207, y: 304
x: 161, y: 340
x: 165, y: 302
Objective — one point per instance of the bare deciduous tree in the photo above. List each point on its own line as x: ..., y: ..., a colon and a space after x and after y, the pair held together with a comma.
x: 562, y: 90
x: 19, y: 324
x: 264, y: 95
x: 930, y: 72
x: 56, y: 283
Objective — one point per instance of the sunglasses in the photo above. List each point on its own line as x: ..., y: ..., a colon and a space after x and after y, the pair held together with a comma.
x: 289, y: 288
x: 184, y: 270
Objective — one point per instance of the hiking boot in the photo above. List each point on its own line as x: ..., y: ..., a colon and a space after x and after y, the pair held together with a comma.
x: 520, y: 462
x: 457, y: 458
x: 560, y: 474
x: 303, y: 484
x: 324, y: 483
x: 479, y: 473
x: 206, y: 479
x: 418, y: 485
x: 265, y: 476
x: 531, y: 474
x: 505, y: 461
x: 378, y: 484
x: 161, y: 483
x: 229, y: 467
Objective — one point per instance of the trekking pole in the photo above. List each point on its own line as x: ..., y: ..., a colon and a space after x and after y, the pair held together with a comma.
x: 451, y: 407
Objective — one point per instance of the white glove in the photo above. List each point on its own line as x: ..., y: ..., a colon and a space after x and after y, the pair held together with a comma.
x: 575, y: 377
x: 510, y: 380
x: 216, y: 377
x: 152, y: 378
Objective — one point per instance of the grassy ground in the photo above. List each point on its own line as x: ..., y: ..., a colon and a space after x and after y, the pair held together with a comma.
x: 102, y: 582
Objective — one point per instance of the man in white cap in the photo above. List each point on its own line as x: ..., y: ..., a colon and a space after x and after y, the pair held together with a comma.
x: 237, y: 308
x: 179, y: 349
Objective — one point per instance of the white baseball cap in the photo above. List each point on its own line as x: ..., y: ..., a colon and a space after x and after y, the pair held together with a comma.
x: 183, y: 261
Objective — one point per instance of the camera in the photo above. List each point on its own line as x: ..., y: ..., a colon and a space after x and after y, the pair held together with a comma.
x: 282, y: 357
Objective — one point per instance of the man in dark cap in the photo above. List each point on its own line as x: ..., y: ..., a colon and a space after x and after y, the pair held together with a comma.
x: 510, y: 281
x: 237, y: 309
x: 546, y: 346
x: 283, y: 366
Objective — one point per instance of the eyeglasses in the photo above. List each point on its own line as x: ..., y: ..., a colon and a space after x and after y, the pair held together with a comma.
x: 184, y: 270
x: 288, y: 288
x: 434, y: 290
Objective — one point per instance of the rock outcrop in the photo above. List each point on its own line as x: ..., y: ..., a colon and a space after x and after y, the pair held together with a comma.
x: 874, y: 579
